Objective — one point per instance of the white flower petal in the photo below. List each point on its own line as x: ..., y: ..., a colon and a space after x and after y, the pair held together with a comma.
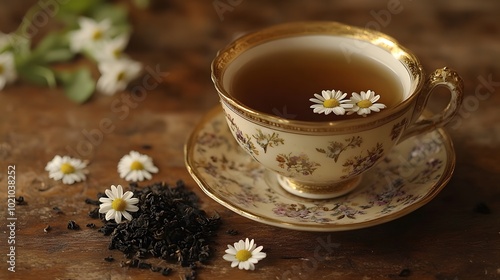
x: 114, y: 191
x: 118, y: 217
x: 105, y: 200
x: 132, y: 208
x: 319, y: 97
x: 356, y: 97
x: 250, y: 266
x: 119, y: 190
x: 110, y: 214
x: 133, y: 200
x: 104, y: 208
x: 127, y: 195
x: 230, y: 250
x: 126, y: 215
x: 229, y: 257
x: 110, y: 194
x: 379, y: 105
x: 325, y: 95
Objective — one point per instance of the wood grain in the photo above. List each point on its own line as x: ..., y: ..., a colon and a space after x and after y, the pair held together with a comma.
x: 445, y: 239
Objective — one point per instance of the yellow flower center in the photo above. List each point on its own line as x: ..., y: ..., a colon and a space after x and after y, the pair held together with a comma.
x: 117, y: 53
x: 119, y: 204
x: 364, y: 103
x: 243, y: 255
x: 97, y: 35
x: 136, y: 166
x: 331, y: 103
x: 120, y: 76
x: 67, y: 168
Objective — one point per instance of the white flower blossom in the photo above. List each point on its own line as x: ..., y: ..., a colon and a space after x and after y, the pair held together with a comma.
x: 364, y: 103
x: 118, y: 204
x: 244, y: 254
x: 111, y: 49
x: 68, y: 169
x: 116, y: 74
x: 330, y: 101
x: 136, y: 167
x: 89, y: 34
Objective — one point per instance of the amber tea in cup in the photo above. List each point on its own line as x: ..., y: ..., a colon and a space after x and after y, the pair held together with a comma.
x: 285, y: 79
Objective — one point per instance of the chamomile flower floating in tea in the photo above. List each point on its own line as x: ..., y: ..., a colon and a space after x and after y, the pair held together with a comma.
x: 136, y: 167
x: 244, y: 254
x: 364, y: 103
x: 70, y: 170
x: 330, y: 101
x: 118, y: 204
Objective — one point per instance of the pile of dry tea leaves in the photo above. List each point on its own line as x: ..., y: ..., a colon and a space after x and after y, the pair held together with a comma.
x: 169, y: 225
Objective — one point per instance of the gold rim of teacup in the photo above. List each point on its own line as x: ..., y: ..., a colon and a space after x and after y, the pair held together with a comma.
x: 387, y: 43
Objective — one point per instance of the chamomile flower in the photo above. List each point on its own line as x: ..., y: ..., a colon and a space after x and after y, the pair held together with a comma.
x: 136, y: 167
x: 112, y: 49
x: 116, y: 74
x: 364, y: 103
x: 244, y: 254
x: 68, y: 169
x: 89, y: 34
x: 330, y: 101
x: 118, y: 204
x: 8, y: 72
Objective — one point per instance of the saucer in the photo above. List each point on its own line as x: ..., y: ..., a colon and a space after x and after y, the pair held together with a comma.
x: 414, y: 172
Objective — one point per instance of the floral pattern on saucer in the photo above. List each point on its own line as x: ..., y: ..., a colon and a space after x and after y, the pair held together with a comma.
x: 410, y: 176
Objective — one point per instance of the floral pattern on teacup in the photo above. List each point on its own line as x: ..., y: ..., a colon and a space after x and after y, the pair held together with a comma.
x: 397, y: 129
x: 406, y: 177
x: 358, y: 164
x: 267, y: 140
x: 244, y: 140
x: 335, y: 148
x: 297, y: 164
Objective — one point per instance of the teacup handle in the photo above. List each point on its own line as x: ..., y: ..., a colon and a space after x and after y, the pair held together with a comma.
x: 441, y: 77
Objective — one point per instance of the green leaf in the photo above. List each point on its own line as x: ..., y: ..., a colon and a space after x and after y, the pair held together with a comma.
x: 53, y: 48
x: 58, y: 55
x: 37, y: 74
x: 78, y: 85
x: 79, y: 6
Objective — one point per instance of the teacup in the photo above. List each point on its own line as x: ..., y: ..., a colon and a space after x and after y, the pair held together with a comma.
x: 326, y: 159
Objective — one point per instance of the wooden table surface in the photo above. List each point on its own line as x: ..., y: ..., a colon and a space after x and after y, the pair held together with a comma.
x: 452, y: 237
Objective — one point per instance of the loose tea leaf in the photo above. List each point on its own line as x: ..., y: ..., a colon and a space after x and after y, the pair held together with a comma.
x: 20, y: 200
x: 57, y: 210
x: 73, y: 225
x: 169, y: 225
x: 232, y: 232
